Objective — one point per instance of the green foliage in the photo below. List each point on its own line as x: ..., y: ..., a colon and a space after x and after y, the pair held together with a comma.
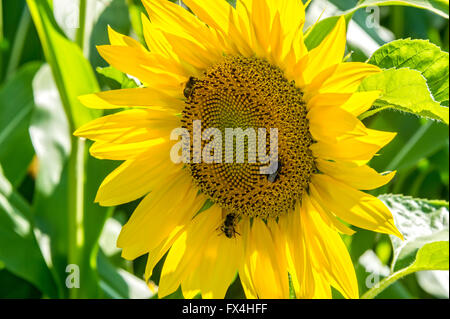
x: 16, y: 100
x: 404, y: 90
x: 421, y: 222
x: 419, y: 55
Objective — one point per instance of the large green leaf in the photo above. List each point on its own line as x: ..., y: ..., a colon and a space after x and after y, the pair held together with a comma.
x: 420, y: 55
x: 118, y: 283
x: 19, y: 250
x: 421, y: 222
x: 49, y: 130
x: 404, y: 90
x: 424, y: 225
x: 50, y: 134
x: 52, y: 203
x: 72, y: 72
x: 437, y: 6
x: 16, y: 105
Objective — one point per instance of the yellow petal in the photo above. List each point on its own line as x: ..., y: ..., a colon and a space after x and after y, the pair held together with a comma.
x: 150, y: 68
x: 330, y: 252
x: 131, y: 126
x: 353, y: 206
x: 219, y: 260
x: 184, y: 31
x: 298, y: 257
x: 140, y: 97
x: 330, y: 52
x: 158, y: 214
x: 155, y: 254
x: 216, y: 14
x: 144, y: 173
x: 331, y: 124
x: 116, y: 38
x: 360, y: 102
x: 120, y: 151
x: 359, y: 149
x: 268, y: 273
x: 359, y: 177
x: 330, y: 219
x: 340, y: 78
x: 185, y: 255
x: 329, y: 99
x: 155, y: 39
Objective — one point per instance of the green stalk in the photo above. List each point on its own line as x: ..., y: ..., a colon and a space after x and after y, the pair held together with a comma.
x: 77, y: 163
x: 79, y: 38
x: 76, y: 206
x: 19, y: 42
x: 386, y: 282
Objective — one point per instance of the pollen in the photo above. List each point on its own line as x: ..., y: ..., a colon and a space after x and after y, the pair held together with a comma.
x: 244, y: 93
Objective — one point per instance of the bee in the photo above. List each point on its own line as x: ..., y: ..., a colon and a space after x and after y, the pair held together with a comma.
x: 229, y: 225
x: 272, y: 178
x: 189, y: 87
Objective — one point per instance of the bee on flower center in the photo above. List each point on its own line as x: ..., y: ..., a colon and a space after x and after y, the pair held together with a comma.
x: 189, y: 88
x: 229, y: 226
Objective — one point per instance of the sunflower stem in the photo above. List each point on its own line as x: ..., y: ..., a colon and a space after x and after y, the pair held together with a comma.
x: 79, y: 38
x: 386, y: 282
x: 76, y: 206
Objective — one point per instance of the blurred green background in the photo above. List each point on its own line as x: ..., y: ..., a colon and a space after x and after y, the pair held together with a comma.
x: 40, y: 222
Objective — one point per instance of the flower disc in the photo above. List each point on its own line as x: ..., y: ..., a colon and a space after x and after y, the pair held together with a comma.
x: 242, y: 93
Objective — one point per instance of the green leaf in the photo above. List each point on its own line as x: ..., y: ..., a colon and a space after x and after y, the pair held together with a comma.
x: 424, y: 225
x: 16, y: 105
x: 50, y: 132
x: 118, y: 283
x: 52, y: 203
x: 439, y: 7
x: 19, y: 250
x: 421, y: 222
x: 432, y: 256
x: 319, y: 31
x: 420, y: 55
x: 427, y: 140
x: 404, y: 90
x: 113, y: 13
x: 72, y: 72
x: 116, y: 79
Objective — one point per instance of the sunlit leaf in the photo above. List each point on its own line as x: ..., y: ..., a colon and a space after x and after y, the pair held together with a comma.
x: 420, y: 55
x: 16, y: 105
x: 49, y: 130
x: 404, y: 90
x: 19, y: 251
x: 421, y: 222
x: 118, y: 283
x: 72, y: 72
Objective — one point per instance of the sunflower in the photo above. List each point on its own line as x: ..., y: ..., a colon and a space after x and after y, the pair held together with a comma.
x: 245, y: 66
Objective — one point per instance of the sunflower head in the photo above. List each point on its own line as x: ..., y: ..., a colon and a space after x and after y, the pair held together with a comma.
x: 217, y: 213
